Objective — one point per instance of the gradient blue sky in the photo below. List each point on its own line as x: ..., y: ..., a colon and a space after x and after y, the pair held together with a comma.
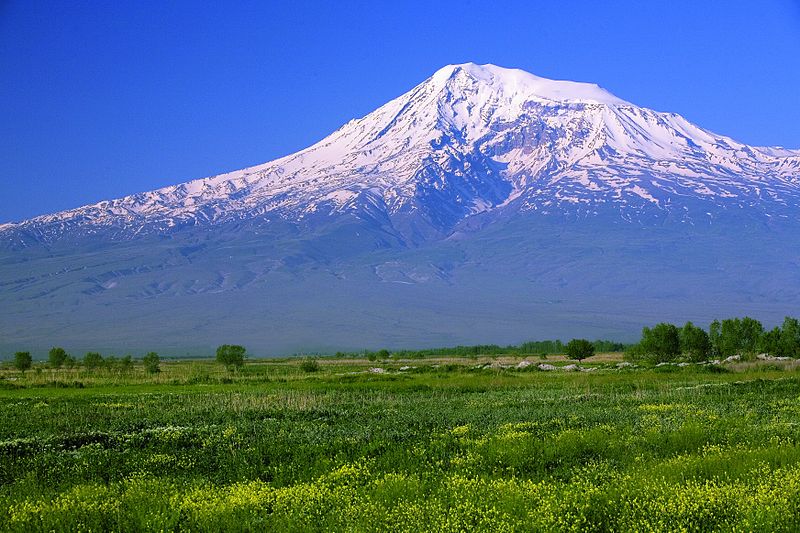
x: 103, y: 99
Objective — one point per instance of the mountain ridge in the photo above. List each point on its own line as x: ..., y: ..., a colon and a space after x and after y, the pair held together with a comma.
x: 549, y: 141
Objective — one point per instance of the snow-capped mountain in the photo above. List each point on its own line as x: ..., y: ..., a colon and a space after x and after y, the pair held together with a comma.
x: 484, y: 205
x: 472, y: 139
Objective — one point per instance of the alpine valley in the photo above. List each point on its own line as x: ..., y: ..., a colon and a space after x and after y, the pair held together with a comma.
x: 484, y: 205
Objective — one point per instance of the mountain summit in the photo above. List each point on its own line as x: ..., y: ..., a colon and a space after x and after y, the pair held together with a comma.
x: 481, y: 180
x: 470, y: 139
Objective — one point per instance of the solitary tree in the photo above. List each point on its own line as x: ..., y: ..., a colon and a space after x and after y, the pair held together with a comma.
x: 22, y: 361
x: 579, y: 349
x: 151, y: 363
x: 56, y: 357
x: 383, y: 354
x: 231, y: 355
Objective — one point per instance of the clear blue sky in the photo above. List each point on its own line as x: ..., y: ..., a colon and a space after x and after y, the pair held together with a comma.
x: 102, y: 99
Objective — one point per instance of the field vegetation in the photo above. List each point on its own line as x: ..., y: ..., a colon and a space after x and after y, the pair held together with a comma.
x: 492, y: 443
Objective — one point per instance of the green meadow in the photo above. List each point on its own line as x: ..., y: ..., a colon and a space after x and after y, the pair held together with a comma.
x: 459, y: 444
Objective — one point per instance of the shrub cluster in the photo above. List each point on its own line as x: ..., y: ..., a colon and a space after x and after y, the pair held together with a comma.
x: 309, y: 364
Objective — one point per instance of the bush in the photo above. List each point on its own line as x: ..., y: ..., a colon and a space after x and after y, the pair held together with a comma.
x: 231, y: 355
x: 309, y: 364
x: 714, y: 369
x: 151, y: 363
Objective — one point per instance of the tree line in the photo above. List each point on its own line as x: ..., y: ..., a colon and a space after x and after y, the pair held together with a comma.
x: 58, y: 357
x: 745, y: 337
x: 232, y: 356
x: 546, y: 347
x: 663, y: 342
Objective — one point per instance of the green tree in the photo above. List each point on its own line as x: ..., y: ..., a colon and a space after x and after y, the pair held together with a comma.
x: 23, y: 361
x: 789, y: 343
x: 634, y: 353
x: 695, y: 343
x: 231, y: 355
x: 730, y: 341
x: 770, y: 342
x: 57, y: 357
x: 715, y: 337
x: 93, y: 360
x: 750, y: 331
x: 735, y: 336
x: 608, y: 346
x: 383, y: 354
x: 151, y: 362
x: 579, y: 349
x: 661, y: 343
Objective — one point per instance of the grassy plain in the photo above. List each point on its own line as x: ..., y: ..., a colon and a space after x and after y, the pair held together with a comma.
x: 442, y: 445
